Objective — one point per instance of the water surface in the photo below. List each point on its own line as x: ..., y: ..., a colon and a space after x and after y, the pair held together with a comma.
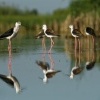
x: 26, y: 51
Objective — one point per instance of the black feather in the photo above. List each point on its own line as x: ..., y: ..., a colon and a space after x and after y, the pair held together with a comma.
x: 6, y: 34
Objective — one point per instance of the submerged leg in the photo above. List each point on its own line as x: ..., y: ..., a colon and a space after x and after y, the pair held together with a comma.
x: 44, y: 48
x: 93, y: 38
x: 43, y: 44
x: 79, y: 45
x: 75, y: 43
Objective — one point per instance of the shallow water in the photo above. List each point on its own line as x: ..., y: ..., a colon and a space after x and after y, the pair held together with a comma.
x: 26, y: 51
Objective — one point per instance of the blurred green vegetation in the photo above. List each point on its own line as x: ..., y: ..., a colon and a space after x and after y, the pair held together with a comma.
x: 31, y: 18
x: 79, y: 6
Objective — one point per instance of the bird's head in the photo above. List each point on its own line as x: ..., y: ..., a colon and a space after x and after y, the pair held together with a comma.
x: 18, y: 90
x: 18, y: 23
x: 71, y: 76
x: 87, y: 63
x: 45, y: 81
x: 44, y: 27
x: 71, y: 26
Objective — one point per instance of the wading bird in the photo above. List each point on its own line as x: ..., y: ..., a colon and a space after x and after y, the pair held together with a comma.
x: 77, y: 34
x: 50, y: 34
x: 90, y: 31
x: 11, y: 33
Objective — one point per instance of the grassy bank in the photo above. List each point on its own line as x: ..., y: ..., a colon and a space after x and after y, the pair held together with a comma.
x: 80, y: 13
x: 29, y: 22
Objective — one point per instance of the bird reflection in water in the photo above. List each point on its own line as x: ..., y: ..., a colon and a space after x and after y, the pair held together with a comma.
x: 77, y: 69
x: 91, y: 59
x: 11, y: 81
x: 48, y: 70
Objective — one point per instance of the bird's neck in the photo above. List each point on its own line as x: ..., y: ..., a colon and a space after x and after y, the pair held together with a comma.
x: 71, y: 76
x: 44, y: 31
x: 17, y: 87
x: 45, y: 78
x: 16, y: 28
x: 71, y: 30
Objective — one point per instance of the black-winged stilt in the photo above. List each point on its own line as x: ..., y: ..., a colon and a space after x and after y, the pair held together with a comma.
x: 12, y: 81
x: 47, y: 71
x: 50, y: 34
x: 90, y: 65
x: 91, y: 32
x: 77, y: 34
x: 11, y: 33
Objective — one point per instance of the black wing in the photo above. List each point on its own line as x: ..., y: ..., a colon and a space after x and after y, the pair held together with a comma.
x: 6, y: 34
x: 43, y: 65
x: 90, y: 65
x: 77, y: 70
x: 90, y: 31
x: 7, y: 80
x: 51, y: 32
x: 40, y: 35
x: 77, y: 32
x: 51, y: 74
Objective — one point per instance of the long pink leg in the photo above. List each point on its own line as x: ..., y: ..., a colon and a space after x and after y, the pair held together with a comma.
x: 43, y: 44
x: 79, y: 45
x: 44, y: 48
x: 52, y: 43
x: 10, y: 57
x: 75, y: 49
x: 76, y: 43
x: 93, y: 42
